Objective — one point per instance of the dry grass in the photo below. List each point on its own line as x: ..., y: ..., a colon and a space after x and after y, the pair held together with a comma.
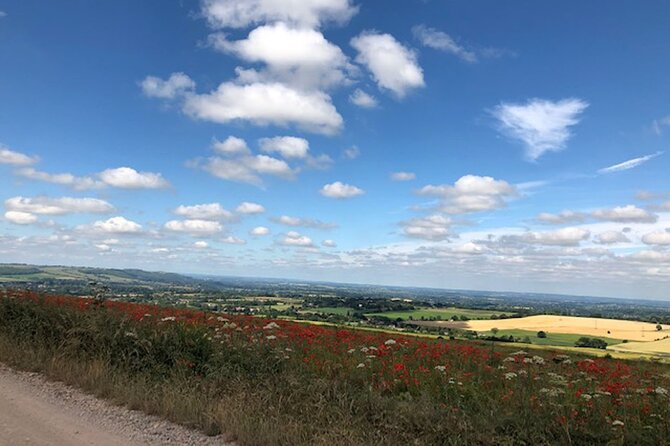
x: 587, y: 326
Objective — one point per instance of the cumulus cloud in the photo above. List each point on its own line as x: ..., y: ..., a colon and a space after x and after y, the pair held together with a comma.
x: 351, y: 153
x: 440, y: 40
x: 176, y: 85
x: 259, y: 231
x: 201, y: 244
x: 542, y: 125
x: 434, y: 227
x: 611, y: 237
x: 231, y: 240
x: 472, y: 193
x: 207, y: 211
x: 245, y: 169
x: 340, y: 190
x: 304, y: 222
x: 296, y: 56
x: 393, y: 66
x: 329, y: 243
x: 630, y: 164
x: 248, y: 208
x: 114, y: 225
x: 362, y: 99
x: 563, y: 217
x: 293, y: 238
x: 129, y: 178
x: 560, y: 237
x: 58, y: 206
x: 231, y: 146
x: 263, y: 104
x: 286, y: 146
x: 8, y: 156
x: 20, y: 218
x: 625, y: 214
x: 194, y: 226
x: 299, y: 13
x: 65, y: 179
x: 661, y: 238
x: 403, y: 176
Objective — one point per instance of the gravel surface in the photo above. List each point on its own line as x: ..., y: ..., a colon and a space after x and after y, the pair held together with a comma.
x: 37, y: 412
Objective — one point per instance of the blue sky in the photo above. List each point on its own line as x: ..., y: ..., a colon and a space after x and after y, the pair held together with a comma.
x: 517, y: 146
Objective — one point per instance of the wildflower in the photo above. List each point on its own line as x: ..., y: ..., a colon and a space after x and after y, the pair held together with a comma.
x: 271, y: 326
x: 617, y: 423
x: 519, y: 353
x: 131, y: 334
x: 168, y: 318
x: 390, y: 342
x: 352, y: 350
x: 661, y: 391
x: 221, y: 319
x: 586, y: 397
x: 510, y: 376
x: 271, y: 337
x: 440, y: 368
x: 360, y: 366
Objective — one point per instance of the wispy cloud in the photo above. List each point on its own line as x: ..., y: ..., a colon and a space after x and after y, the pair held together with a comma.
x: 630, y: 164
x: 542, y: 125
x: 442, y: 41
x: 658, y: 124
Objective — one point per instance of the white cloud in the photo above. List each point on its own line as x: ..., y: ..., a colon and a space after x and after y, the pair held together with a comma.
x: 129, y: 178
x: 58, y: 206
x: 629, y: 164
x: 286, y: 146
x: 351, y: 153
x: 259, y: 231
x: 293, y: 238
x: 542, y: 125
x: 393, y: 66
x: 329, y: 243
x: 231, y: 240
x: 20, y: 218
x: 657, y: 238
x: 299, y: 13
x: 403, y: 176
x: 362, y: 99
x: 264, y: 104
x: 563, y: 217
x: 625, y: 214
x: 560, y: 237
x: 472, y: 193
x: 201, y: 244
x: 114, y: 225
x: 440, y: 40
x: 246, y: 169
x: 176, y: 85
x: 3, y: 14
x: 304, y: 222
x: 208, y: 211
x: 65, y: 179
x: 247, y: 207
x: 434, y: 227
x: 8, y: 156
x: 194, y: 226
x: 231, y: 146
x: 296, y: 56
x: 340, y: 190
x: 658, y: 124
x: 611, y: 237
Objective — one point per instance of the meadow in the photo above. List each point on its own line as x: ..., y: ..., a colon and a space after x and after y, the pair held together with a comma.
x: 434, y: 313
x: 277, y: 382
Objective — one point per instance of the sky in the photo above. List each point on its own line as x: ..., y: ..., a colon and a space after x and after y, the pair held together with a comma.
x: 486, y: 145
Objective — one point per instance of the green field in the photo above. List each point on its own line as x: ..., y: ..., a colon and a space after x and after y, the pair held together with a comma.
x: 553, y: 339
x: 342, y: 311
x: 443, y: 313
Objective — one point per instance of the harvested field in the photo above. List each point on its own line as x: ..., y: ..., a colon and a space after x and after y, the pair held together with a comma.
x: 587, y: 326
x: 659, y: 348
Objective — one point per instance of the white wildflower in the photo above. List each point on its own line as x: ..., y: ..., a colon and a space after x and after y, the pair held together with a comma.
x: 168, y: 318
x: 617, y: 423
x: 440, y: 368
x: 360, y: 366
x: 390, y: 342
x: 510, y: 375
x: 271, y: 326
x: 271, y: 337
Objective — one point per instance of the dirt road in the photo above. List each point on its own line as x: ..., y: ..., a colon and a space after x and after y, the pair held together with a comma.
x: 37, y: 412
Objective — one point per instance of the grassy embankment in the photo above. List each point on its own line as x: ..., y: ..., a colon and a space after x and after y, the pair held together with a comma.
x: 276, y: 383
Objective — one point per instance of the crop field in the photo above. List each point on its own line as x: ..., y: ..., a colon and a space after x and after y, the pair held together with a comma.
x: 555, y: 339
x: 584, y: 326
x: 327, y: 385
x: 342, y: 311
x: 658, y: 348
x: 443, y: 313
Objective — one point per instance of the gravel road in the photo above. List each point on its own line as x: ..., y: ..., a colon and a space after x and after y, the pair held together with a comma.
x: 37, y: 412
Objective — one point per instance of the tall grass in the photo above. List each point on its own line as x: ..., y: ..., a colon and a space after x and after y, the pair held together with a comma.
x: 295, y: 389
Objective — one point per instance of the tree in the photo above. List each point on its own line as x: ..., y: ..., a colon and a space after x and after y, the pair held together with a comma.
x: 541, y: 334
x: 659, y: 327
x: 494, y: 330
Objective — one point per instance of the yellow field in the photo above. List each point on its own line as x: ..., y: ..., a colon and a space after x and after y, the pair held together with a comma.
x: 660, y: 348
x: 610, y: 328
